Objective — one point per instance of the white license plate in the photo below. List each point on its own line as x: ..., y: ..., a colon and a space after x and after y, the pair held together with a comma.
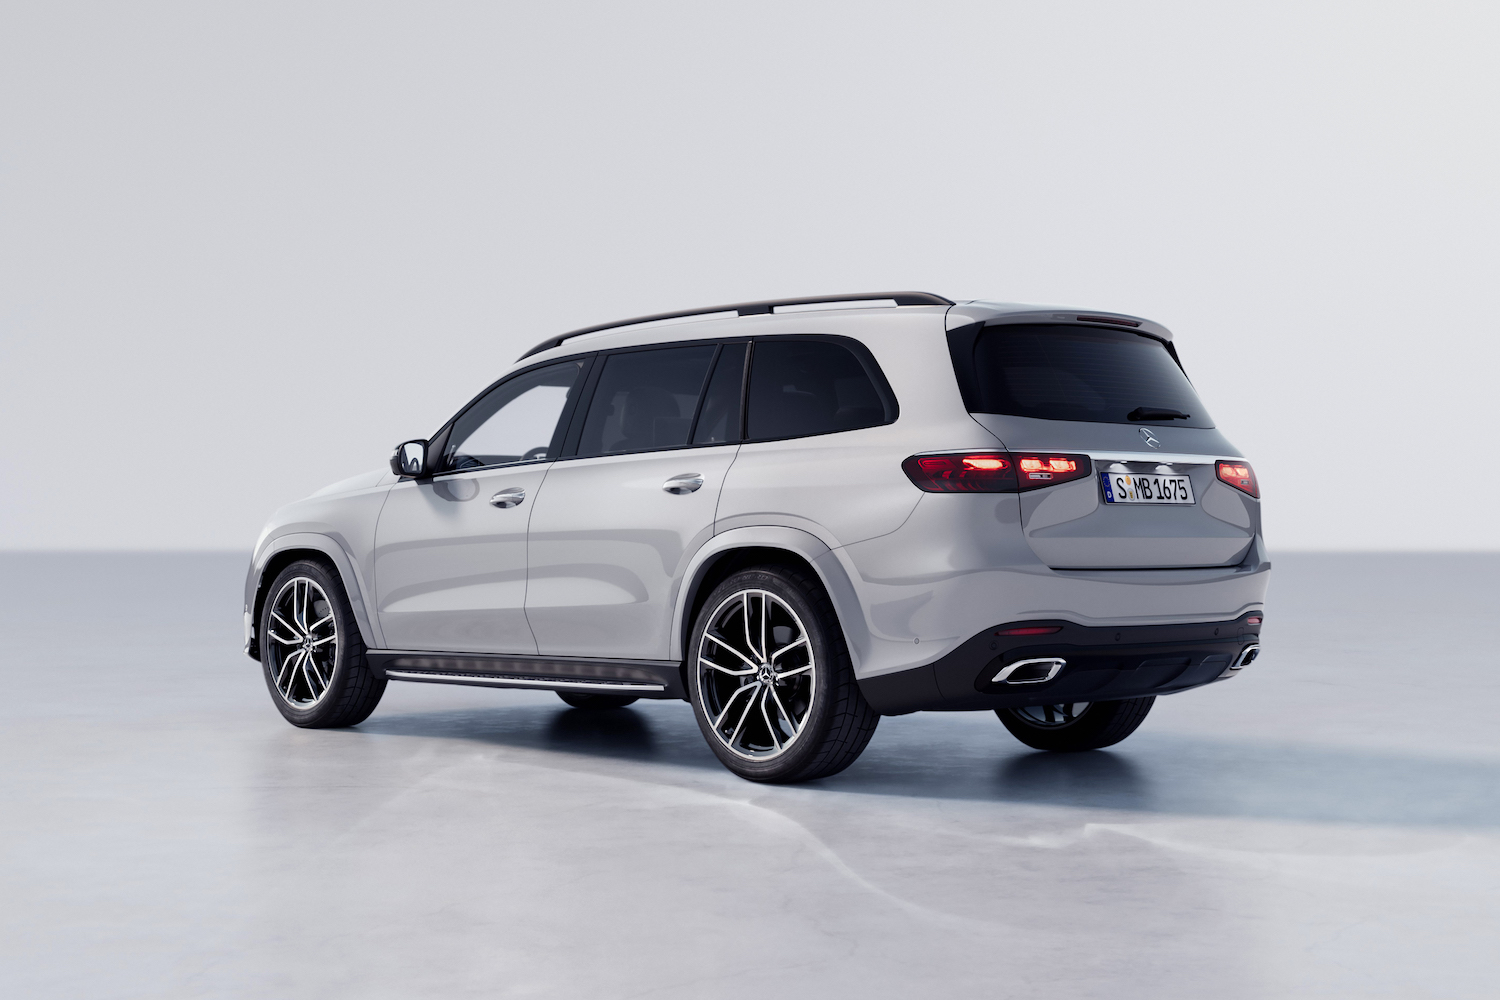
x: 1127, y: 487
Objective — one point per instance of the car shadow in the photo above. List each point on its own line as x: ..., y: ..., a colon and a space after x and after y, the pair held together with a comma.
x: 1165, y: 773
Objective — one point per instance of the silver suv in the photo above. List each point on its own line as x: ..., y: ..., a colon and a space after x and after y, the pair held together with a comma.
x: 798, y: 516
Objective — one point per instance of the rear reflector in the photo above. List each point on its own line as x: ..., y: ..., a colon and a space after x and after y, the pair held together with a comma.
x: 1253, y: 620
x: 1031, y: 630
x: 993, y: 471
x: 1240, y: 476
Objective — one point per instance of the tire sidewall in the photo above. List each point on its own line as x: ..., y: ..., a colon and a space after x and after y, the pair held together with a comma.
x: 347, y: 646
x: 828, y: 654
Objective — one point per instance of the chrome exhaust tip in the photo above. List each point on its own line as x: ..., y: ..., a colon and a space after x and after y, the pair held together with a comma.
x: 1030, y: 671
x: 1247, y: 656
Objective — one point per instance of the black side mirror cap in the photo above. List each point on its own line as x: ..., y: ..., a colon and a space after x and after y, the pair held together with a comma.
x: 410, y: 458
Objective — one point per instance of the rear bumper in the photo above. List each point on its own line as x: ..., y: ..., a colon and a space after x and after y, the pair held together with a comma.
x: 1105, y: 663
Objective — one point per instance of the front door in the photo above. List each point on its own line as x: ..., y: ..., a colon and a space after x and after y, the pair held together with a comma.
x: 450, y: 551
x: 615, y: 526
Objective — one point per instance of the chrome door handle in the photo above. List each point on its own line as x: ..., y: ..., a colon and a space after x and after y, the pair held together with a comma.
x: 510, y: 497
x: 683, y: 484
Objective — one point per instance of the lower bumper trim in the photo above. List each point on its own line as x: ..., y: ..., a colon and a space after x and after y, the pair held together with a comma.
x: 1101, y: 663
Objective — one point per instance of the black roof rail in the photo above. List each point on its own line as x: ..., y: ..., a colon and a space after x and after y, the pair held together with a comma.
x: 751, y: 309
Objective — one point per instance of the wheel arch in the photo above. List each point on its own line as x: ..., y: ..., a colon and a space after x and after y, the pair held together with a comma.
x: 282, y: 552
x: 737, y: 549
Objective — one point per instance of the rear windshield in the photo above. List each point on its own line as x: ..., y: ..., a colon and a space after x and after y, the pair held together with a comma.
x: 1078, y: 373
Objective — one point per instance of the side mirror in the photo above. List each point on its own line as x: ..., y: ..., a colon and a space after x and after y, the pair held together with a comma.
x: 409, y: 458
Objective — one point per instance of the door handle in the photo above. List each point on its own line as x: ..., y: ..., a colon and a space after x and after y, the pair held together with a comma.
x: 683, y: 484
x: 509, y: 497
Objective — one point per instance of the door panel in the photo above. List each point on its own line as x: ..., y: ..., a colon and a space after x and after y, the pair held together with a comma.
x: 450, y: 567
x: 608, y: 545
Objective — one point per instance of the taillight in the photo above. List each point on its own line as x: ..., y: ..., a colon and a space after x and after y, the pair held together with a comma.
x: 1240, y: 476
x: 1049, y: 470
x: 981, y: 472
x: 993, y: 471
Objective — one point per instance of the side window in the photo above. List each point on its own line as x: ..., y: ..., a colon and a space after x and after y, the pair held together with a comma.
x: 719, y: 421
x: 802, y: 387
x: 645, y: 400
x: 514, y: 422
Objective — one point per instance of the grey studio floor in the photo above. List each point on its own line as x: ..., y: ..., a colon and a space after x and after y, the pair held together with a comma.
x: 1327, y: 825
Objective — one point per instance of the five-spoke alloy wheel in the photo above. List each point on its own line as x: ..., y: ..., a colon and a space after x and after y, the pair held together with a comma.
x: 757, y: 674
x: 302, y: 642
x: 770, y: 679
x: 311, y: 652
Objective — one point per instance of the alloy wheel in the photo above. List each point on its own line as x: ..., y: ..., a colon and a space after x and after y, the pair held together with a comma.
x: 756, y: 674
x: 1052, y: 716
x: 304, y: 642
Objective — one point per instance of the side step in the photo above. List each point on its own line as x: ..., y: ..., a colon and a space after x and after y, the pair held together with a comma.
x: 641, y: 678
x: 546, y: 683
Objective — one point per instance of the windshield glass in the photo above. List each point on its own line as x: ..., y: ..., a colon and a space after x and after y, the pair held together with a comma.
x: 1080, y: 373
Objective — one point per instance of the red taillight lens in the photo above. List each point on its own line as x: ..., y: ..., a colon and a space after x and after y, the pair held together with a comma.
x: 993, y: 471
x: 1049, y: 470
x: 1240, y: 476
x: 982, y: 472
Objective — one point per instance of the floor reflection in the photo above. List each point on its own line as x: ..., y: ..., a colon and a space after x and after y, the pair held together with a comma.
x: 939, y: 757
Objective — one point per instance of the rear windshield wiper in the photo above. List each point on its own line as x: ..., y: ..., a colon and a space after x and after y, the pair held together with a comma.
x: 1155, y: 413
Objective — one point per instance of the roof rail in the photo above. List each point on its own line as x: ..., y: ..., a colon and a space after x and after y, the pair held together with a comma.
x: 751, y: 309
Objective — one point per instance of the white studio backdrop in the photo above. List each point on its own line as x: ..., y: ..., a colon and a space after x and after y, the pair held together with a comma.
x: 246, y: 248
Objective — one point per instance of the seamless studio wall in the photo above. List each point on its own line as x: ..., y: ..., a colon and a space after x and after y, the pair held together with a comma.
x: 245, y: 248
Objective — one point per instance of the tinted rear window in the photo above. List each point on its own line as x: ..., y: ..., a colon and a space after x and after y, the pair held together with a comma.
x: 1078, y: 373
x: 804, y: 387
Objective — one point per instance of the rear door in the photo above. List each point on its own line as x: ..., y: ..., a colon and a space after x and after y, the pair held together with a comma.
x: 1120, y: 399
x: 450, y: 551
x: 616, y: 521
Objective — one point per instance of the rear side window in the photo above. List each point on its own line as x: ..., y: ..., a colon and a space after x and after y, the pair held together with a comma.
x: 1077, y: 373
x: 645, y: 400
x: 803, y: 387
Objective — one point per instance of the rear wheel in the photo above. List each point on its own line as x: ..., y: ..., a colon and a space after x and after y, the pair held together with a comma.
x: 594, y: 702
x: 311, y: 652
x: 1079, y: 725
x: 770, y: 679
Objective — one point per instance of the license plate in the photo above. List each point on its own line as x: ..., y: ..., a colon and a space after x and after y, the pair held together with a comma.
x: 1127, y: 487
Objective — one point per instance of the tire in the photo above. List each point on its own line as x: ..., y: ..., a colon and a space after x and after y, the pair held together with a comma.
x: 595, y: 702
x: 1079, y: 726
x: 315, y: 689
x: 804, y: 716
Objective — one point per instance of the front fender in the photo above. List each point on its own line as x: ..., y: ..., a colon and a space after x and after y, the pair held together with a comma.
x: 336, y: 549
x: 809, y: 547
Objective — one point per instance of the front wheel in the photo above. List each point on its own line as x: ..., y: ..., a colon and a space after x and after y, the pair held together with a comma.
x: 771, y: 681
x: 1078, y: 725
x: 311, y: 653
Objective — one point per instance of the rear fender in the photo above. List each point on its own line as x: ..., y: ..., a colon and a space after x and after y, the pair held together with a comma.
x: 805, y: 545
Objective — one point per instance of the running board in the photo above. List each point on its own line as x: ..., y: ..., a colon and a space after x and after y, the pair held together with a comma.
x: 641, y: 678
x: 546, y: 683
